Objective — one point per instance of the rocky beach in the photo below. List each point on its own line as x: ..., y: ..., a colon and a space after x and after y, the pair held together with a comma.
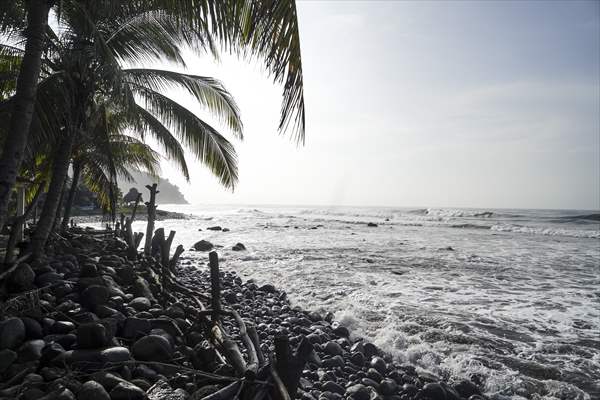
x: 87, y: 323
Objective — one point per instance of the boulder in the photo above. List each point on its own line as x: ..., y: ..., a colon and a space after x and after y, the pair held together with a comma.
x: 141, y: 288
x: 333, y: 349
x: 203, y: 245
x: 7, y: 357
x: 333, y: 387
x: 358, y: 392
x: 114, y: 290
x: 372, y: 225
x: 335, y: 361
x: 341, y: 331
x: 107, y: 380
x: 214, y: 228
x: 66, y: 341
x: 141, y: 383
x: 145, y: 372
x: 89, y: 270
x: 92, y: 390
x: 167, y: 325
x: 22, y: 278
x: 48, y: 278
x: 370, y: 349
x: 51, y: 351
x: 152, y: 348
x: 61, y: 327
x: 33, y: 329
x: 94, y: 296
x: 135, y: 327
x: 92, y: 335
x: 31, y: 350
x: 467, y: 388
x: 357, y: 359
x: 434, y: 391
x: 388, y: 387
x: 127, y: 391
x: 12, y: 333
x: 378, y: 363
x: 95, y: 358
x: 59, y: 394
x: 140, y: 304
x: 238, y: 247
x: 267, y: 288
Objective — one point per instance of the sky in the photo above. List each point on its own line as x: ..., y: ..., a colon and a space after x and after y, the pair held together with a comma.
x: 429, y: 104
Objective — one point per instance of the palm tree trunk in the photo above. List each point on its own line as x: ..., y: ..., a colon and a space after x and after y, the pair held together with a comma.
x: 71, y: 197
x: 60, y: 205
x: 60, y: 169
x: 16, y: 229
x: 24, y: 100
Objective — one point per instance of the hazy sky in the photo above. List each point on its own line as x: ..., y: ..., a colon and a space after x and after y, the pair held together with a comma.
x: 472, y: 104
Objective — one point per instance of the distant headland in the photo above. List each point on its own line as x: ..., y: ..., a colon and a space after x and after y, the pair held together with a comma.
x: 169, y: 193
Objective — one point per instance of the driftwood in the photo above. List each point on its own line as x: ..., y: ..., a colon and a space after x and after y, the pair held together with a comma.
x: 220, y: 338
x: 253, y: 334
x: 289, y: 366
x: 227, y: 393
x: 133, y: 239
x: 282, y: 390
x: 151, y: 207
x: 175, y: 258
x: 253, y: 362
x: 161, y: 248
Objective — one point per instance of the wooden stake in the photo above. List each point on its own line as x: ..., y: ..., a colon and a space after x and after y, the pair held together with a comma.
x: 151, y: 206
x: 215, y: 286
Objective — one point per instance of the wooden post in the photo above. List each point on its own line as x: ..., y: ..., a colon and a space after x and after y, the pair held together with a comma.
x: 215, y: 286
x: 175, y: 258
x: 151, y: 206
x: 289, y: 367
x: 157, y: 243
x: 253, y: 334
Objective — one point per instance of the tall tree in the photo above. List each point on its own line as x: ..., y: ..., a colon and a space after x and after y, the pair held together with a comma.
x: 24, y: 99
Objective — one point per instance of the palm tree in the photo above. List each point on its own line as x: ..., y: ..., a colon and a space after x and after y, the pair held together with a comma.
x: 25, y: 93
x: 105, y: 155
x: 103, y: 35
x: 89, y: 72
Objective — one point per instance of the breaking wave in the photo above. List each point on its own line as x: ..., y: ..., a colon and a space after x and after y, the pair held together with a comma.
x: 591, y: 234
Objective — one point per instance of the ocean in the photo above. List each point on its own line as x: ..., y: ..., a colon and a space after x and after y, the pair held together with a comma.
x: 507, y: 298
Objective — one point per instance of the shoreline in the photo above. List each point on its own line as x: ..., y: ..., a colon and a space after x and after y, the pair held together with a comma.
x: 106, y: 328
x: 141, y: 215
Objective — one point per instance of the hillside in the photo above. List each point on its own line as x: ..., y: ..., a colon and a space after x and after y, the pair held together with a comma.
x: 169, y: 193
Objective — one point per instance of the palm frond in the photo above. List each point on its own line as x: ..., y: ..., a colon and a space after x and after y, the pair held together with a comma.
x: 270, y: 31
x: 208, y: 145
x: 209, y: 92
x: 146, y: 122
